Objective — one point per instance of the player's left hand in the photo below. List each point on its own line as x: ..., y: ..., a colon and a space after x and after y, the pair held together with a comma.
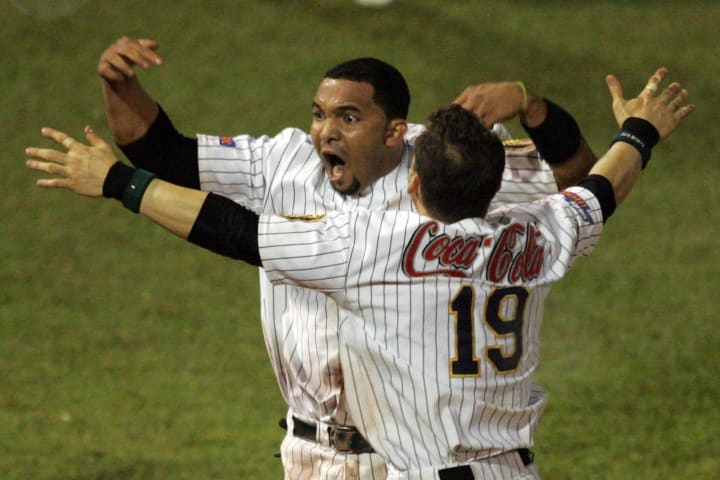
x: 664, y: 109
x: 493, y: 102
x: 82, y: 169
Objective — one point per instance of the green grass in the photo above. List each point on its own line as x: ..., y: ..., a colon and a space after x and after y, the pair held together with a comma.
x: 128, y: 354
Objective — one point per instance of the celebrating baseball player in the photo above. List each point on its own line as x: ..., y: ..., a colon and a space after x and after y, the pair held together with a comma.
x: 442, y: 307
x: 357, y: 155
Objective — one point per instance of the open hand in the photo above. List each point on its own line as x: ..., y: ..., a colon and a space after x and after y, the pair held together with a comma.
x: 82, y: 169
x: 664, y: 110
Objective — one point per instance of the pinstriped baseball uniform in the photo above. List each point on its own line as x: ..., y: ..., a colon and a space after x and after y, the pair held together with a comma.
x: 440, y: 329
x: 284, y: 175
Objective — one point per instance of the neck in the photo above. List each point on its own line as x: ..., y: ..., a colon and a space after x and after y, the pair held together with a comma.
x: 393, y: 159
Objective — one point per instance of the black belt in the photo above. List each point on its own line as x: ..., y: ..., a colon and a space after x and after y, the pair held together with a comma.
x: 464, y: 472
x: 341, y: 437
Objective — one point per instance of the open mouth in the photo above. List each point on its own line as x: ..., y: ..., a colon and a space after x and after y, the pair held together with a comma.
x: 337, y: 166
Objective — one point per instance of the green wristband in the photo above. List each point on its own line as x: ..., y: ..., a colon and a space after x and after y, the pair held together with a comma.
x: 135, y: 189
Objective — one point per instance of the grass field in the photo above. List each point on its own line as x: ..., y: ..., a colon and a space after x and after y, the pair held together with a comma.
x: 126, y: 354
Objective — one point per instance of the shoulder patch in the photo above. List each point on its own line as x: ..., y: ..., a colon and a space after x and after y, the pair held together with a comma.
x: 227, y: 142
x: 304, y: 218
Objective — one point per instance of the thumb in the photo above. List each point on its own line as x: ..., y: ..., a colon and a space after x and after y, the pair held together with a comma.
x: 615, y: 88
x: 93, y: 137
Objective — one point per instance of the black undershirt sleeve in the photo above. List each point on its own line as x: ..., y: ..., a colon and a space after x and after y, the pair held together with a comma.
x: 227, y: 228
x: 603, y: 190
x: 166, y: 152
x: 558, y: 137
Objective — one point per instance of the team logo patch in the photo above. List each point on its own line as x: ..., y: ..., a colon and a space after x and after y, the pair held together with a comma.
x: 305, y: 218
x: 227, y: 142
x: 579, y: 205
x: 518, y: 144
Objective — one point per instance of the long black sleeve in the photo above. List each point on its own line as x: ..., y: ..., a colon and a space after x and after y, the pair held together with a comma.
x: 558, y: 137
x: 603, y: 190
x: 167, y: 153
x: 226, y: 228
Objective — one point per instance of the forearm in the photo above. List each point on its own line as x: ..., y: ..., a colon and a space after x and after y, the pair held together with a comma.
x: 129, y: 109
x: 574, y: 168
x: 205, y: 219
x: 621, y: 166
x: 558, y: 139
x: 173, y: 207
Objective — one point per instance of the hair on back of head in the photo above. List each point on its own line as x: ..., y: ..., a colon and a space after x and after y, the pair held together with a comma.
x: 460, y: 164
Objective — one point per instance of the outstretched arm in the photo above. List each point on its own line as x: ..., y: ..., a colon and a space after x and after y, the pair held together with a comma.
x: 211, y: 221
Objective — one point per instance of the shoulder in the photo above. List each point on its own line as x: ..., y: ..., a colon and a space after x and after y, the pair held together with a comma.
x: 414, y: 130
x: 288, y: 135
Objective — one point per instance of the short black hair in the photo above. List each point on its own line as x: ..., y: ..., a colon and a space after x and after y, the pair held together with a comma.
x: 391, y: 91
x: 460, y: 163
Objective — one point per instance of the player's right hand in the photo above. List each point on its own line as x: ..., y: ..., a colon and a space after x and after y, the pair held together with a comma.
x: 117, y: 63
x: 81, y: 169
x: 492, y: 102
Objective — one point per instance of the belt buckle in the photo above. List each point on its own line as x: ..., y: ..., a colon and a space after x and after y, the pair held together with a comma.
x: 341, y: 438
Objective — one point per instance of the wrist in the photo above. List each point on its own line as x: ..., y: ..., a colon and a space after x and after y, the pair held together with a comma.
x: 523, y: 90
x: 535, y: 111
x: 116, y: 180
x: 639, y: 133
x: 127, y: 184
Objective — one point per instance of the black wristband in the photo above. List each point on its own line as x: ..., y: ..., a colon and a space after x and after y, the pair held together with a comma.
x: 639, y: 133
x: 117, y: 179
x: 558, y: 137
x: 127, y: 184
x: 135, y: 189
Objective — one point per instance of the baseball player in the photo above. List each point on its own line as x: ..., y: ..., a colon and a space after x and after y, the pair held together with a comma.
x: 441, y: 308
x: 357, y: 155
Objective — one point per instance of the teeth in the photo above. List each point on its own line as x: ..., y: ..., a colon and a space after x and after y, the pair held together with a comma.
x: 337, y: 170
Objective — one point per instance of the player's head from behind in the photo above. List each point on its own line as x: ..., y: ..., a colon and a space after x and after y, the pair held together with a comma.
x: 458, y: 166
x: 359, y: 121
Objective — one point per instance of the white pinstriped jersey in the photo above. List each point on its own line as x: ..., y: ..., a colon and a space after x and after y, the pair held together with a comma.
x: 284, y: 175
x: 440, y: 334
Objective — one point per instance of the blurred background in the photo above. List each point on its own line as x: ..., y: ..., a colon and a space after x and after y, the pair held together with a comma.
x: 127, y: 354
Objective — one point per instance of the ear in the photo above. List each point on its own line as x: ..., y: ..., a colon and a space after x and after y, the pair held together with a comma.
x: 395, y: 132
x: 413, y: 187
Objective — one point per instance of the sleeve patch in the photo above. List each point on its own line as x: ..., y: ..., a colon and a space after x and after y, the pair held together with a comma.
x: 579, y: 205
x: 227, y: 142
x: 518, y: 144
x: 304, y: 218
